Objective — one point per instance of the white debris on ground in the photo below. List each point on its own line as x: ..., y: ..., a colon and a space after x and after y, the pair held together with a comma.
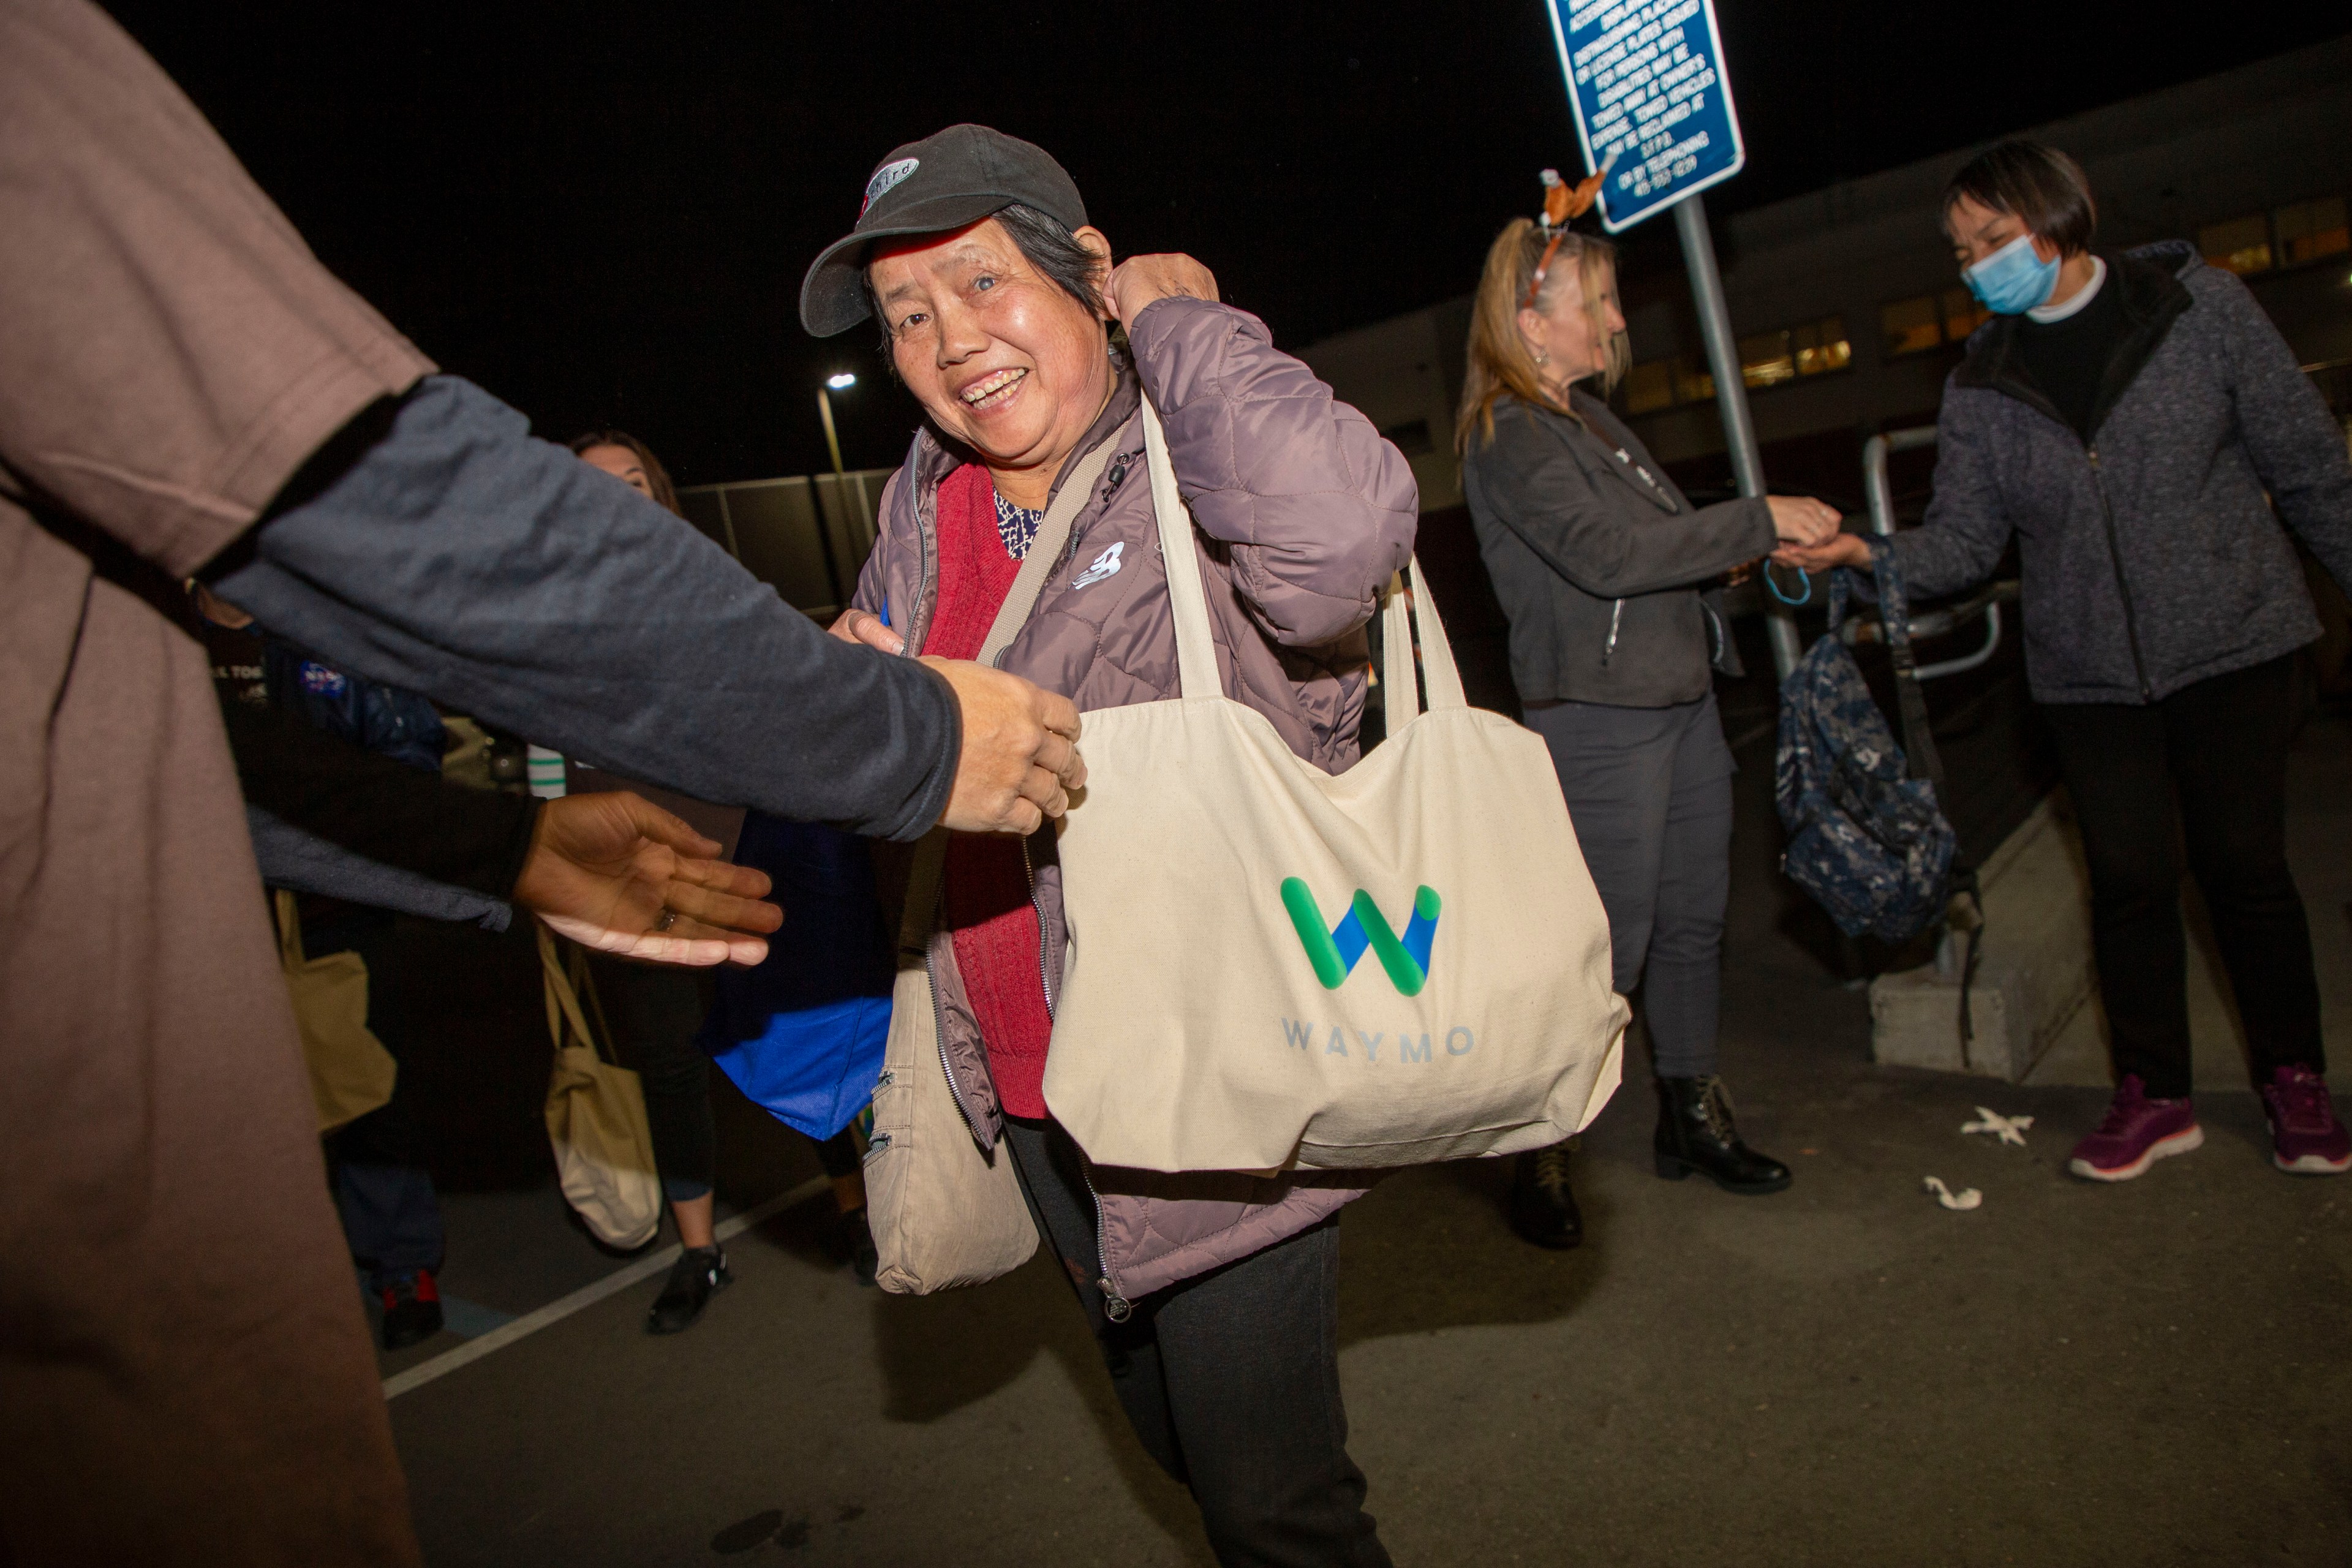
x: 1966, y: 1198
x: 2008, y: 1129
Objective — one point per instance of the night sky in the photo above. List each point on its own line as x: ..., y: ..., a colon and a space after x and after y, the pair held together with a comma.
x: 602, y: 213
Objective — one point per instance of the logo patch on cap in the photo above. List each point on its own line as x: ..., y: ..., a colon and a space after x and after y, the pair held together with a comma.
x: 885, y: 177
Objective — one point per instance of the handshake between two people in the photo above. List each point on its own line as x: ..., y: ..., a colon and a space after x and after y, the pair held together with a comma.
x: 618, y: 874
x: 1808, y: 536
x: 1020, y: 759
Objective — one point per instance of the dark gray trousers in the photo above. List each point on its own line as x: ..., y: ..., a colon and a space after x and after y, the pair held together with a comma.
x: 1649, y: 791
x: 1231, y: 1379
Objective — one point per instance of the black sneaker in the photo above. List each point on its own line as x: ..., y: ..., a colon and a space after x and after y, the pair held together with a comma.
x: 1543, y: 1208
x: 411, y: 1310
x: 700, y: 1273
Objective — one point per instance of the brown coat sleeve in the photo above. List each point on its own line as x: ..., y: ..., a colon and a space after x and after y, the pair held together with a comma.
x: 169, y: 350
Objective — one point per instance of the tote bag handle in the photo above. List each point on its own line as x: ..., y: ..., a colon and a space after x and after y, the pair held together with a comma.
x: 1196, y: 652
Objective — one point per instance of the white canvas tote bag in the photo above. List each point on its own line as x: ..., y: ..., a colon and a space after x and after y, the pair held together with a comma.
x: 1275, y: 967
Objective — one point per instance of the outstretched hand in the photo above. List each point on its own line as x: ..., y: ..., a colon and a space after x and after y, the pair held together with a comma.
x: 1837, y: 549
x: 618, y: 874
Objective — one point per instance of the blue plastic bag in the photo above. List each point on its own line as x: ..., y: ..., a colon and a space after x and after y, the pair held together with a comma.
x: 802, y: 1034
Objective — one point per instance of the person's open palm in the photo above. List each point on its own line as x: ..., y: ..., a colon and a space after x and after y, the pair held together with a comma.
x: 618, y: 874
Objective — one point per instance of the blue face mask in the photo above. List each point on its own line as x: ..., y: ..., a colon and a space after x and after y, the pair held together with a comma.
x: 2012, y: 280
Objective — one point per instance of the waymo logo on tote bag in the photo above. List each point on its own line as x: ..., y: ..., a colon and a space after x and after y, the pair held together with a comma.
x: 1334, y: 952
x: 1262, y: 1041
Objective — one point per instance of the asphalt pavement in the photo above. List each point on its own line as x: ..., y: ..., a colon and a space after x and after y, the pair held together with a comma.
x: 2150, y: 1373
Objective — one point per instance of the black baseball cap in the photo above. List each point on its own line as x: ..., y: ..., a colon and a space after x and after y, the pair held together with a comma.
x: 947, y: 180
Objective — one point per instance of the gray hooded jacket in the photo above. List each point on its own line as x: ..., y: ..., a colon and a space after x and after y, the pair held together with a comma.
x: 2152, y: 555
x: 1304, y: 513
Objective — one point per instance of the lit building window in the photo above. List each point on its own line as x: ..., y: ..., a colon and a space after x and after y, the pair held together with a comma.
x: 1649, y: 387
x: 1911, y: 326
x: 2309, y: 231
x: 1822, y: 346
x: 1692, y: 382
x: 1962, y: 315
x: 2241, y: 244
x: 1765, y: 360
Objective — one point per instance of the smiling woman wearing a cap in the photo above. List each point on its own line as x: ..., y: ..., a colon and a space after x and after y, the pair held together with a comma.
x: 1215, y: 1297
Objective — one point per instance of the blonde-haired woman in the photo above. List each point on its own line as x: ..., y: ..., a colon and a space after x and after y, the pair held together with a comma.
x: 1603, y: 566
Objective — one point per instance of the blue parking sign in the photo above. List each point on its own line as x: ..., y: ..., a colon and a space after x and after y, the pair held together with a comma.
x: 1652, y: 107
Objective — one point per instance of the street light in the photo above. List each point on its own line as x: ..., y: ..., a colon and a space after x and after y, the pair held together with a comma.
x: 841, y: 383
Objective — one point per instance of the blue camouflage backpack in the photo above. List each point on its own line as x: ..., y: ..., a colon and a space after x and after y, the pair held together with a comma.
x: 1866, y: 838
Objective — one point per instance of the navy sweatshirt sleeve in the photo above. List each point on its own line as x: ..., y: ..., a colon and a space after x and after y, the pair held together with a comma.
x: 436, y: 546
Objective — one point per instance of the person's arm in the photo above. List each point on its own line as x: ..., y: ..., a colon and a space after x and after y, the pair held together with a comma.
x: 292, y: 857
x: 376, y: 808
x: 1535, y: 486
x: 610, y: 869
x: 1967, y: 527
x: 442, y: 549
x: 2297, y: 447
x: 1319, y: 511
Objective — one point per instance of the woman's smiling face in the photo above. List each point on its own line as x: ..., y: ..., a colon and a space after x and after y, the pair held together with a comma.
x: 1001, y: 356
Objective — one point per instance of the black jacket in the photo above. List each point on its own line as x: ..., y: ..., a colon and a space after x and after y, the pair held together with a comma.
x: 1598, y: 558
x: 2153, y: 553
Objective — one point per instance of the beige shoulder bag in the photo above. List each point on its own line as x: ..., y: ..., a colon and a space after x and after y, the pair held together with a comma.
x: 350, y: 1072
x: 595, y: 1115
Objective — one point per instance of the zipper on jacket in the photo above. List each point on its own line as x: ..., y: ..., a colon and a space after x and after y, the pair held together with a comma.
x: 1609, y: 648
x: 2123, y: 587
x: 1116, y: 1307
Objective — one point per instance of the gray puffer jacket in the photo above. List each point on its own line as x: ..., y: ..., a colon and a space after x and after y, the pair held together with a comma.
x: 2153, y: 553
x: 1598, y: 558
x: 1306, y: 513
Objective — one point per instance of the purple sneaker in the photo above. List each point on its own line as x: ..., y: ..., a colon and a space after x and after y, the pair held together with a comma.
x: 2305, y: 1137
x: 2136, y: 1133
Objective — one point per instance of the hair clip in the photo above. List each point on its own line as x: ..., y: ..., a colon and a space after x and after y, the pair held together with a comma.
x: 1563, y: 202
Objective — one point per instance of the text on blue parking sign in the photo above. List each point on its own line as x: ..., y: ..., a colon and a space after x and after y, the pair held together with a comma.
x: 1647, y: 80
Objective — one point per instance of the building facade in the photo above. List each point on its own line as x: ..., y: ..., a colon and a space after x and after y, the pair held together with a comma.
x: 1847, y: 303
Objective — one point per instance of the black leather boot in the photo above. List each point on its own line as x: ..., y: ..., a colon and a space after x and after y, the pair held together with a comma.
x: 1543, y: 1209
x: 1695, y: 1133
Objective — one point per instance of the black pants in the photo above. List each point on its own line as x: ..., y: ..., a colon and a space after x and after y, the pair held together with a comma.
x: 2219, y: 748
x: 1231, y: 1379
x: 654, y: 1012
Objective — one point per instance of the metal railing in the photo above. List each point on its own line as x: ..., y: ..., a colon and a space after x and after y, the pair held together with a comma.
x: 1986, y: 601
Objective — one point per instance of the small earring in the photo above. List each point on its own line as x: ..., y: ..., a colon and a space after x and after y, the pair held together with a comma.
x: 1541, y: 357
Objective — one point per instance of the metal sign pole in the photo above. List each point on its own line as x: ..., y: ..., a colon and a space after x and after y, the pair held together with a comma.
x: 1731, y: 398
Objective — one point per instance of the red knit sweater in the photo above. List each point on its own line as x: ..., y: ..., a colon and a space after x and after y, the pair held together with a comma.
x: 999, y: 949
